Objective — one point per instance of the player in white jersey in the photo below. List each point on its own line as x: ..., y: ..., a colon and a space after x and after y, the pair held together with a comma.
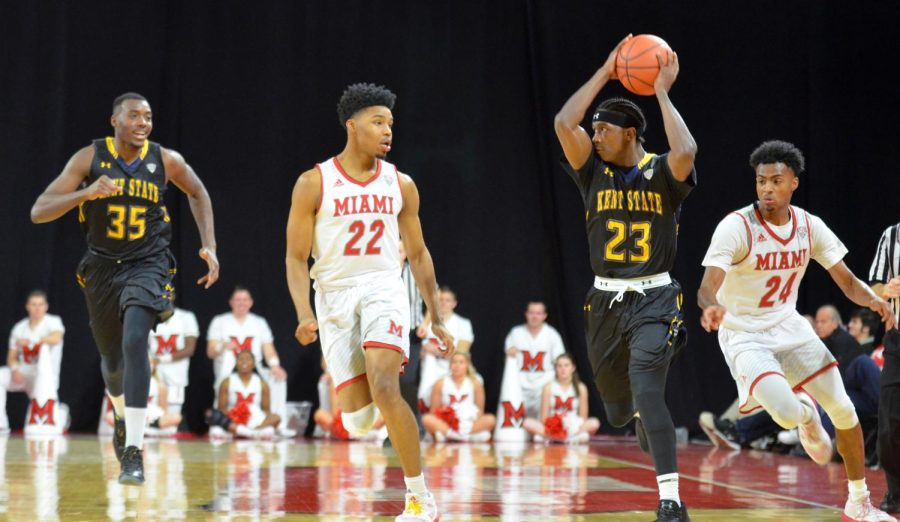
x: 566, y: 397
x: 463, y: 393
x: 535, y: 345
x: 243, y: 403
x: 33, y: 363
x: 434, y: 365
x: 349, y: 213
x: 241, y: 330
x: 171, y: 346
x: 754, y: 265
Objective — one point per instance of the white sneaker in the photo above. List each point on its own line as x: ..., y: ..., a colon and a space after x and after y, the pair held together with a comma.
x: 864, y: 511
x: 286, y: 433
x: 707, y: 423
x: 419, y: 509
x: 218, y: 433
x: 480, y: 436
x: 267, y: 433
x: 813, y: 437
x: 579, y: 438
x: 539, y: 439
x: 789, y: 437
x: 456, y: 436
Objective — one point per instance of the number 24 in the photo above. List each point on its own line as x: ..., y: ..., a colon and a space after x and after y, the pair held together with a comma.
x: 774, y: 283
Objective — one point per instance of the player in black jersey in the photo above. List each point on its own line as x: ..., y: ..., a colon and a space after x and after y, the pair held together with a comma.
x: 118, y: 184
x: 633, y: 319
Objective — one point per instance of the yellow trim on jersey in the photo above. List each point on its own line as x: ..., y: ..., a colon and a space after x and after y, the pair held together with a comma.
x: 81, y: 218
x: 645, y: 160
x: 111, y: 147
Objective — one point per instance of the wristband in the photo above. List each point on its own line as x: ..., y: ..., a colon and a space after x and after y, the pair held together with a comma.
x: 274, y: 361
x: 167, y: 358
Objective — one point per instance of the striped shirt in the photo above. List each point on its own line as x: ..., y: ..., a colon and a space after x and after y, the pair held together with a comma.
x: 886, y: 265
x: 416, y: 316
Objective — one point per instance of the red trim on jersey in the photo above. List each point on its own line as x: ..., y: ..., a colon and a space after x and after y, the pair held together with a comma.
x: 348, y: 382
x: 773, y: 234
x: 386, y: 346
x: 749, y: 238
x: 758, y: 378
x: 351, y: 180
x: 321, y: 188
x: 808, y: 231
x: 399, y: 187
x: 815, y: 374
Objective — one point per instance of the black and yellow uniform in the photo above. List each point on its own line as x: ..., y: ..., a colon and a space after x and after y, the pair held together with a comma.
x: 128, y: 234
x: 632, y: 225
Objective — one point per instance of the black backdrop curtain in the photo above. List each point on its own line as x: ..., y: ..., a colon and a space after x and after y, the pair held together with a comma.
x: 247, y: 92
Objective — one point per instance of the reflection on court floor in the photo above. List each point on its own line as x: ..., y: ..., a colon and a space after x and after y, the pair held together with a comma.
x: 74, y: 478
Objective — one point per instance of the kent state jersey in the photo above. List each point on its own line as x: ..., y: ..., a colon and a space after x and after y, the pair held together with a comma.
x: 632, y: 215
x: 133, y: 223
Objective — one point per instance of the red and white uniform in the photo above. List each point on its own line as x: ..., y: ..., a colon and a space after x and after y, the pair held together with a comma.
x: 435, y: 368
x: 462, y: 399
x: 564, y: 402
x: 249, y: 334
x: 38, y: 363
x: 535, y: 358
x: 251, y: 393
x: 361, y: 300
x: 762, y: 332
x: 168, y: 339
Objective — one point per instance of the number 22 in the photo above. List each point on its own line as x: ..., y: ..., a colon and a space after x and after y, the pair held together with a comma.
x: 358, y: 228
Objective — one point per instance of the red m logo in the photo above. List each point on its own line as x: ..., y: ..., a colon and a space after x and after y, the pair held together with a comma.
x: 562, y: 405
x: 166, y: 346
x: 41, y: 414
x: 248, y: 399
x: 242, y: 346
x: 454, y: 399
x: 30, y: 353
x: 395, y: 329
x: 513, y: 417
x: 532, y: 364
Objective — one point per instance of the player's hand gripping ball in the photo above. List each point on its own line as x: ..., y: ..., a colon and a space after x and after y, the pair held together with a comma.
x: 637, y: 65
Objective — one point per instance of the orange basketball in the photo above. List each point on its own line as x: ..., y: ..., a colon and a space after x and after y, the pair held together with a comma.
x: 636, y: 64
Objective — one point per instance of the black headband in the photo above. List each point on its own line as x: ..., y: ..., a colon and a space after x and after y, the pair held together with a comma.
x: 618, y: 118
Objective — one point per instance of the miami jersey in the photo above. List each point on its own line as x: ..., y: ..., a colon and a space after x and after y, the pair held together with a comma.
x: 250, y: 334
x: 169, y: 339
x: 764, y: 264
x: 536, y: 354
x: 251, y: 393
x: 563, y: 400
x: 455, y: 396
x: 356, y: 235
x: 29, y: 354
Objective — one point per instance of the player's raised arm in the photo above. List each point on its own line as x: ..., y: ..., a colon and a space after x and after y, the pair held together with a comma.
x: 420, y: 261
x: 575, y: 141
x: 183, y: 176
x: 62, y: 195
x: 683, y: 148
x: 300, y: 227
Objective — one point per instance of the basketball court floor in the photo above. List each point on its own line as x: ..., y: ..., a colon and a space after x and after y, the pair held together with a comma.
x: 74, y: 478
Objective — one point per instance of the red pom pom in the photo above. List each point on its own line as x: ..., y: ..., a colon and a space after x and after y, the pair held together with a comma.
x: 554, y: 428
x: 338, y: 429
x: 448, y: 415
x: 240, y: 414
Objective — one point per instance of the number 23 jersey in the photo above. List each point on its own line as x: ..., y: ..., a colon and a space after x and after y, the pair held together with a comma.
x: 356, y: 237
x: 764, y: 264
x: 631, y: 214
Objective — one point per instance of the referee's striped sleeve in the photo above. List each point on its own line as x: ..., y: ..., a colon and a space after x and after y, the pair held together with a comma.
x: 885, y: 265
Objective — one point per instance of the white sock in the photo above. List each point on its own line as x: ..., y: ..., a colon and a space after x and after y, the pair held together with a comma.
x: 118, y: 404
x: 416, y: 485
x: 668, y: 487
x: 244, y: 431
x: 135, y: 420
x: 858, y: 489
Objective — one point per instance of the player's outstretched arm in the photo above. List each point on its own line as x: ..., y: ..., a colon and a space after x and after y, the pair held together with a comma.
x: 861, y: 294
x: 713, y: 312
x: 300, y: 226
x: 420, y: 262
x: 682, y: 147
x: 183, y: 176
x: 62, y: 195
x: 576, y: 143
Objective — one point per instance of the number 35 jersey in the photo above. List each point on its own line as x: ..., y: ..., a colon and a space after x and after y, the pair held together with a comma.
x: 632, y: 215
x: 356, y: 237
x: 764, y: 264
x: 133, y: 223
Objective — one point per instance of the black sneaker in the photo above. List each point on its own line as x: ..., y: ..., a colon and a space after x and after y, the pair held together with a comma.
x: 641, y: 435
x: 890, y: 503
x: 118, y: 435
x: 218, y: 418
x: 670, y: 511
x: 132, y: 467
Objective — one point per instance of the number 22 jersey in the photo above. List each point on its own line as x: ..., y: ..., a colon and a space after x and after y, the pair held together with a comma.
x: 356, y: 237
x: 631, y: 214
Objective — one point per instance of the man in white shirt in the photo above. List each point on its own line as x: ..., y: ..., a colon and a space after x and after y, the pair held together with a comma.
x: 171, y: 346
x: 535, y: 345
x: 240, y: 330
x: 33, y: 363
x: 434, y: 365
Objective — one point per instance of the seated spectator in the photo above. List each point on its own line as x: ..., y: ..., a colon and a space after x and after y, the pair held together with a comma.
x: 161, y: 421
x: 564, y: 407
x: 863, y: 326
x: 535, y: 345
x: 434, y: 365
x: 172, y: 345
x: 457, y: 405
x: 243, y: 403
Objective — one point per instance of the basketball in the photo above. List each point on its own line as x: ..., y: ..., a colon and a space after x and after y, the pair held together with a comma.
x: 636, y: 64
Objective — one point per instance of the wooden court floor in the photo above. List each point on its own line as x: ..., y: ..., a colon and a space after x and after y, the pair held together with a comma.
x: 74, y: 478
